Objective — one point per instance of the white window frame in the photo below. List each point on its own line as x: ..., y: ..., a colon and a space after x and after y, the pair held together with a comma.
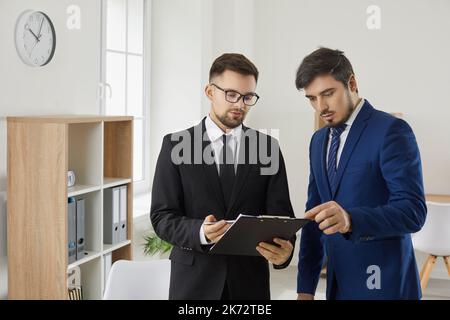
x: 139, y: 186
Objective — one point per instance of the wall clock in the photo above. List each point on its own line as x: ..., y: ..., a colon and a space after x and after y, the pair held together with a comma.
x: 35, y: 38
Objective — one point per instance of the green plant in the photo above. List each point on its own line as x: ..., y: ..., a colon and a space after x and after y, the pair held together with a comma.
x: 154, y: 244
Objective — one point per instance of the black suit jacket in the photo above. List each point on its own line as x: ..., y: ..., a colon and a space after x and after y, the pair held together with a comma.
x: 184, y: 194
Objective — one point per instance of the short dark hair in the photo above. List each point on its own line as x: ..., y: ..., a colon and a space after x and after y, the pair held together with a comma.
x: 234, y: 62
x: 323, y: 61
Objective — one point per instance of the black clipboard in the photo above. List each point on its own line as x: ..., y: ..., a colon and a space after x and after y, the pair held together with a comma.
x: 247, y: 232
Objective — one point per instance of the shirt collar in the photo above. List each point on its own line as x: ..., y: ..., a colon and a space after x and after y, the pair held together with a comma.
x: 215, y: 133
x: 355, y: 112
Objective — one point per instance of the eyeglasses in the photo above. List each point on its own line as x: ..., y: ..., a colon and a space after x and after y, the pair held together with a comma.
x: 233, y: 96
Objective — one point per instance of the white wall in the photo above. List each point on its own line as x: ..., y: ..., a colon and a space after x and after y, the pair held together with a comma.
x: 67, y: 85
x: 176, y: 81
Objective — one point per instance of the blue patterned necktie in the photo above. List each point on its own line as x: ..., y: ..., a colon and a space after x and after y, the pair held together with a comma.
x: 332, y: 154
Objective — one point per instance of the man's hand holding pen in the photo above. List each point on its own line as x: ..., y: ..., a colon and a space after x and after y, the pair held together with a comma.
x: 214, y: 229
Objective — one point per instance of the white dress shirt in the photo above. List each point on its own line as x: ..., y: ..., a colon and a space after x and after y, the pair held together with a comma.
x: 215, y: 136
x: 344, y: 133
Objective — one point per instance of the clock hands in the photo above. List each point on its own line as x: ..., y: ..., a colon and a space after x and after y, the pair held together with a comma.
x: 34, y: 35
x: 29, y: 29
x: 31, y: 51
x: 40, y: 28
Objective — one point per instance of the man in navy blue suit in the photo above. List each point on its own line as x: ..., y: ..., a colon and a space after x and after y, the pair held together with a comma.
x: 365, y: 191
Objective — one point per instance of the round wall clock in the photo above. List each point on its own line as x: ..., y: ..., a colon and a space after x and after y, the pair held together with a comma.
x: 35, y: 38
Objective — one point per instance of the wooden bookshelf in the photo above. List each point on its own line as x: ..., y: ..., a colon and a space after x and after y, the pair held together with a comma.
x: 40, y: 152
x: 441, y: 198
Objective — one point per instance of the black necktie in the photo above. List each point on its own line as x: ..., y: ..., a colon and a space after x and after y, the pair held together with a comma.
x: 227, y: 173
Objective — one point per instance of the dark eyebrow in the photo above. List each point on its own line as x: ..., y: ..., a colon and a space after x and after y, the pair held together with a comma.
x: 242, y: 94
x: 326, y: 91
x: 321, y: 93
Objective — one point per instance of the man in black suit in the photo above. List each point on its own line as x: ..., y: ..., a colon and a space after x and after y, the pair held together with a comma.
x: 211, y: 173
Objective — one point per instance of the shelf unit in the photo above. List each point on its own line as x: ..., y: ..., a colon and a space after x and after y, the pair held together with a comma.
x: 40, y: 152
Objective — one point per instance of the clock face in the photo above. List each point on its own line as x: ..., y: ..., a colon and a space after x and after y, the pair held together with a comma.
x: 35, y: 38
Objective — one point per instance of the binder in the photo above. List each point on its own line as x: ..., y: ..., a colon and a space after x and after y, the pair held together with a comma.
x: 80, y: 228
x: 107, y: 262
x: 111, y: 232
x: 247, y: 232
x: 72, y: 230
x: 123, y: 214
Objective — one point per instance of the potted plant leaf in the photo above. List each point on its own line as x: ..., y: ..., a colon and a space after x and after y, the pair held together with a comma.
x: 154, y: 245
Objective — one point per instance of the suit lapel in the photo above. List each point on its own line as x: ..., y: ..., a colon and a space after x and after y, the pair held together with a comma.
x: 356, y: 130
x: 210, y: 170
x: 242, y: 171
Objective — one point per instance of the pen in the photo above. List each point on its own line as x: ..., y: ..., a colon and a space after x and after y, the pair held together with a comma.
x: 214, y: 222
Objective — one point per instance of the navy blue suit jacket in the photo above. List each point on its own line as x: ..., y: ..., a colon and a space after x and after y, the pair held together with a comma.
x: 380, y: 185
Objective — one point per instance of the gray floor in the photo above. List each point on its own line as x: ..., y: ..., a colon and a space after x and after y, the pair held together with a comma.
x: 283, y: 282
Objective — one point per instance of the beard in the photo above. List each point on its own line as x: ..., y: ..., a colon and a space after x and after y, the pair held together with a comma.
x: 350, y: 108
x: 230, y: 122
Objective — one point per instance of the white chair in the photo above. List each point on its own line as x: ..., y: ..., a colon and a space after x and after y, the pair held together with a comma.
x: 434, y: 239
x: 138, y: 280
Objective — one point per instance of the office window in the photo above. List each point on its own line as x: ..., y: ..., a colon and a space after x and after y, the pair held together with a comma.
x: 124, y: 72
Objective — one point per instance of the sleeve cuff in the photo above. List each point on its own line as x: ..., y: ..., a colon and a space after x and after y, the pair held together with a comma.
x: 203, y: 239
x: 305, y: 285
